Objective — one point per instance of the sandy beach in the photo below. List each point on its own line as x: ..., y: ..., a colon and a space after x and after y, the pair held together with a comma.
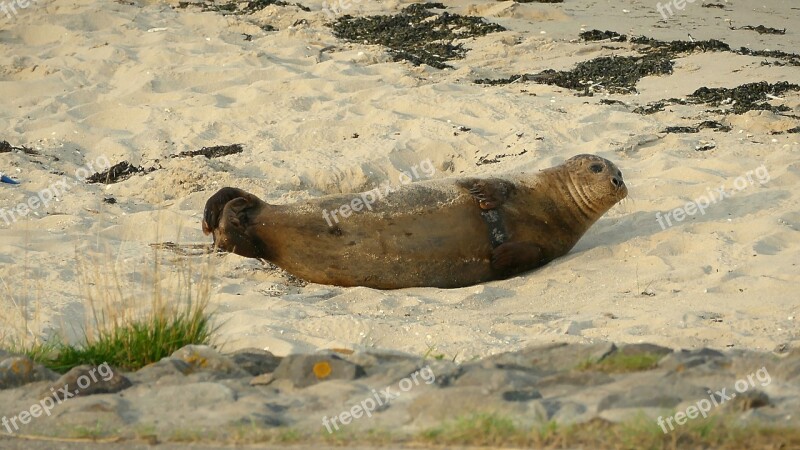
x: 87, y: 84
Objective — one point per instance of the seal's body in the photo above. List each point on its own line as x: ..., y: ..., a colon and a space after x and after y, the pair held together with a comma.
x: 443, y: 233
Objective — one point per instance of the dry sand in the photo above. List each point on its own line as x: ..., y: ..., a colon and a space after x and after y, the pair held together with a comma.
x: 92, y: 82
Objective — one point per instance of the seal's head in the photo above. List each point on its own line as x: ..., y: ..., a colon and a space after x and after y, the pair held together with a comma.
x: 596, y: 183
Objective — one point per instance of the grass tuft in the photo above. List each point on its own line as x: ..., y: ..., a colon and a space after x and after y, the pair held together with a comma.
x: 130, y: 326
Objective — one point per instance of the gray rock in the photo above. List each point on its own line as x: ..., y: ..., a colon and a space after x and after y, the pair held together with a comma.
x: 255, y: 361
x: 521, y: 395
x: 565, y: 411
x: 572, y: 379
x: 378, y: 358
x: 640, y: 349
x: 683, y: 360
x: 162, y: 371
x: 203, y: 357
x: 20, y: 370
x: 87, y: 380
x: 495, y: 380
x: 392, y: 372
x: 305, y: 370
x: 747, y: 400
x: 454, y: 402
x: 643, y: 396
x: 552, y: 358
x: 788, y: 368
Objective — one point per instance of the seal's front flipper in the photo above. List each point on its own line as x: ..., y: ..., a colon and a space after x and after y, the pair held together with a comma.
x: 514, y: 257
x: 215, y: 204
x: 489, y: 193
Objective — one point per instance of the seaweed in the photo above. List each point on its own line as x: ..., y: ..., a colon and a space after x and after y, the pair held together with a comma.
x: 761, y: 29
x: 681, y: 47
x: 616, y: 74
x: 747, y: 97
x: 789, y: 131
x: 597, y: 35
x: 416, y: 34
x: 5, y: 147
x: 213, y: 152
x: 116, y: 173
x: 234, y: 8
x: 712, y: 124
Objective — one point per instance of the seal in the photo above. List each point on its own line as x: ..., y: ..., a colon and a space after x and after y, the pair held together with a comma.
x: 443, y: 233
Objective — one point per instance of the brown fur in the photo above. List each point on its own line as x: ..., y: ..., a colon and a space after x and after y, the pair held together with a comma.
x: 424, y: 234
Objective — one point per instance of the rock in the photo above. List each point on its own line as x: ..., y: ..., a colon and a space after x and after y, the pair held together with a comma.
x: 494, y: 380
x: 643, y: 396
x: 523, y: 395
x: 19, y: 370
x: 639, y: 349
x: 552, y: 358
x: 683, y: 360
x: 262, y: 380
x: 255, y: 361
x: 564, y: 411
x: 203, y: 357
x: 86, y: 380
x: 161, y: 371
x: 450, y: 403
x: 565, y: 383
x: 305, y: 370
x: 747, y: 400
x: 378, y: 358
x: 392, y: 372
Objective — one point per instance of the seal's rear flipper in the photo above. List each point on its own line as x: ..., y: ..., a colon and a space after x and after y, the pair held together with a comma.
x: 515, y: 257
x: 214, y: 206
x: 490, y: 193
x: 234, y: 232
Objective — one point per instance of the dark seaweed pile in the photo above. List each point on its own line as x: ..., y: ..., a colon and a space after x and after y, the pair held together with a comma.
x: 116, y: 173
x: 712, y: 124
x: 681, y: 47
x: 597, y: 35
x: 747, y: 97
x: 239, y: 8
x: 617, y: 74
x: 5, y: 147
x: 789, y: 131
x: 213, y: 152
x: 620, y: 74
x: 416, y: 34
x: 761, y: 29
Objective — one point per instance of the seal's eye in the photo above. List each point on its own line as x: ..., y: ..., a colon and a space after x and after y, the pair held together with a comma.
x: 596, y: 168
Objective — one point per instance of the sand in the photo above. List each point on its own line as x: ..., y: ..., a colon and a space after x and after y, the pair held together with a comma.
x: 86, y: 82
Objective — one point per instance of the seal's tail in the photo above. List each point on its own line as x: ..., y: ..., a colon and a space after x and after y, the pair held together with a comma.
x: 215, y: 204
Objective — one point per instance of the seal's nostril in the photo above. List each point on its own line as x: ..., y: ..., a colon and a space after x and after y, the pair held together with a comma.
x: 616, y: 181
